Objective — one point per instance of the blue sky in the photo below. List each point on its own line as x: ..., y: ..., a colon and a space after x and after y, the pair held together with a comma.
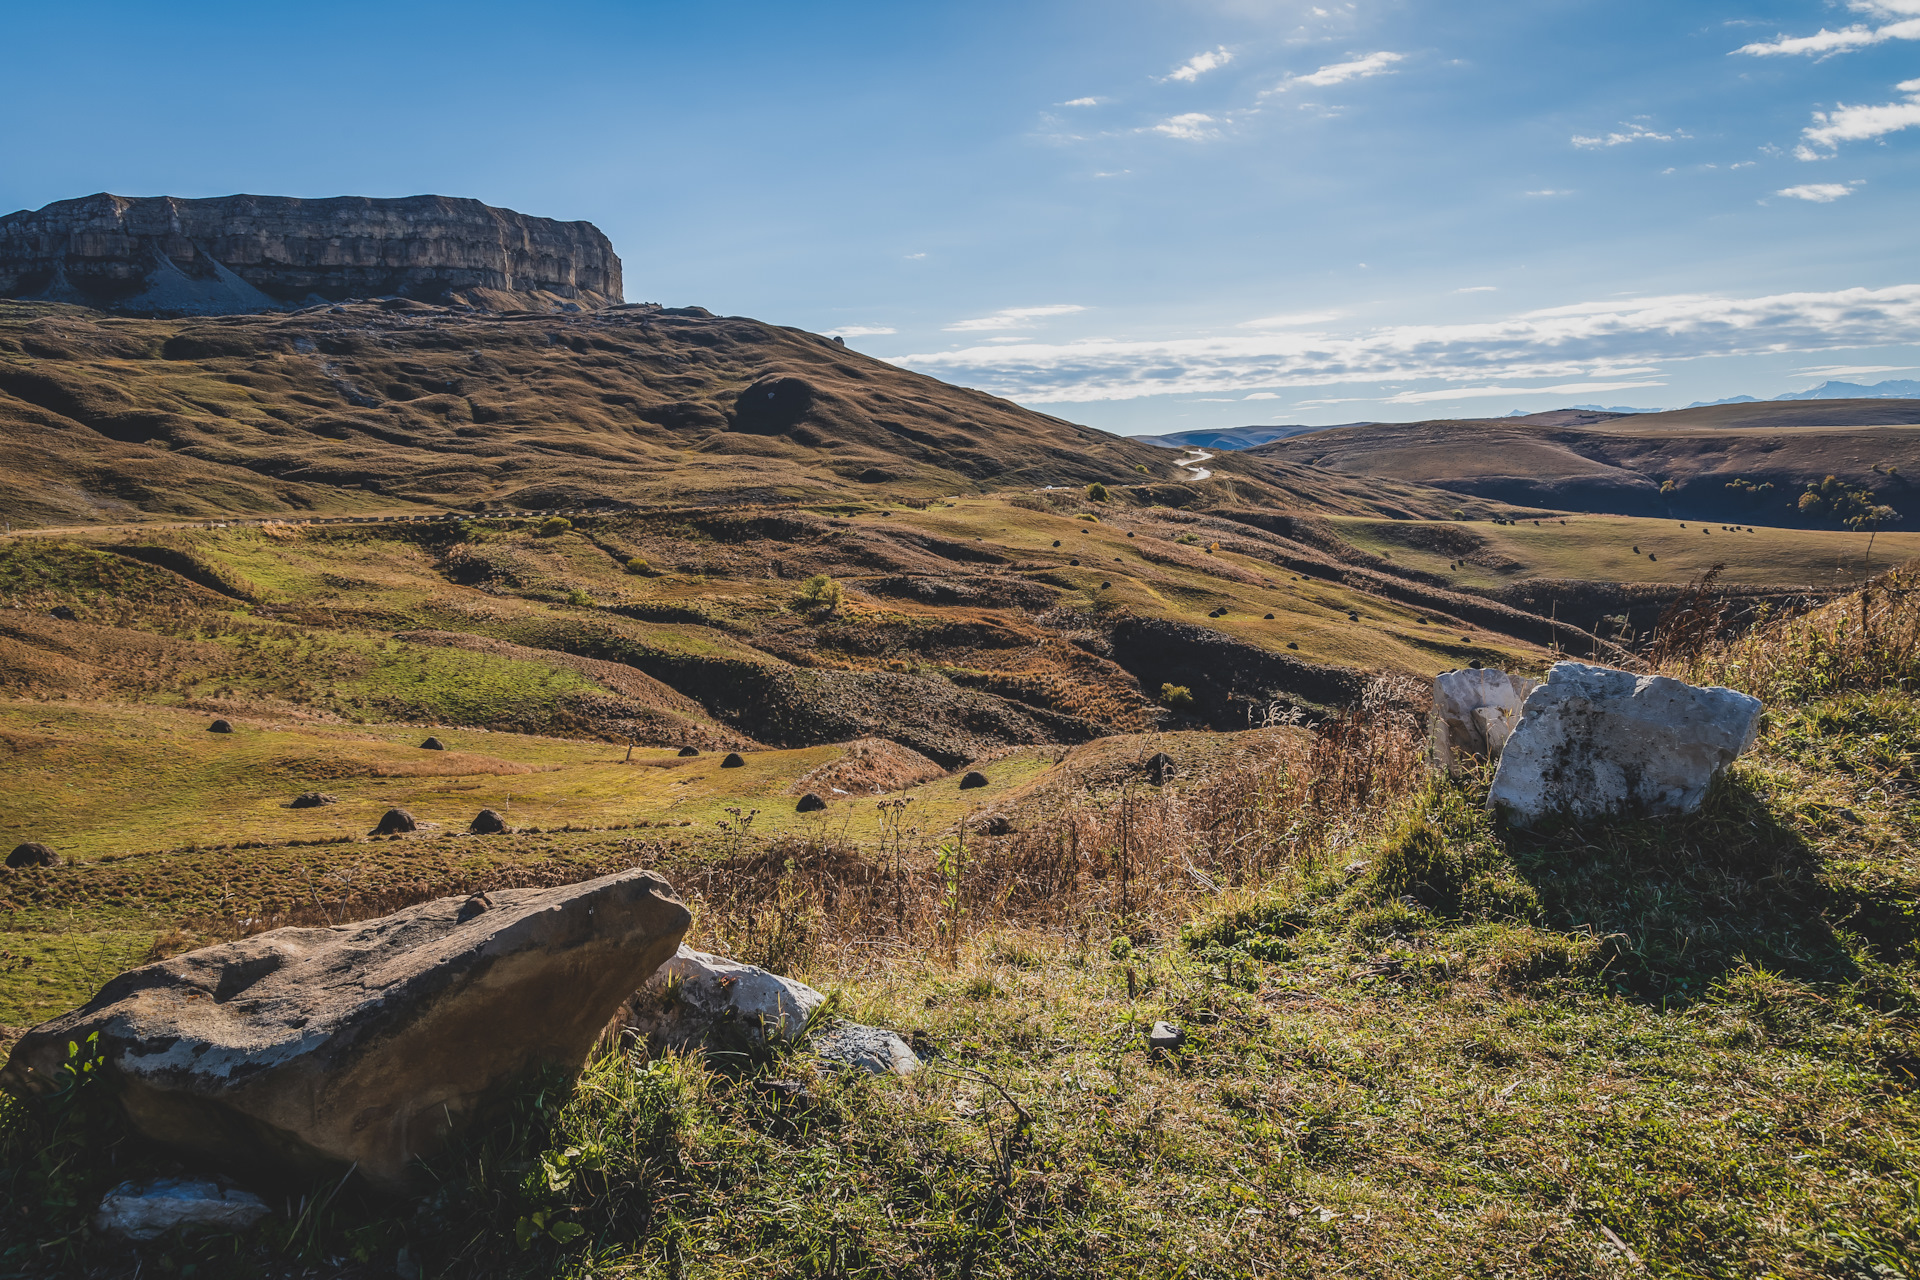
x: 1142, y: 214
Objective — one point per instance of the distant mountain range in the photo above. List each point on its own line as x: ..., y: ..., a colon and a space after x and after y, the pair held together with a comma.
x: 1233, y: 438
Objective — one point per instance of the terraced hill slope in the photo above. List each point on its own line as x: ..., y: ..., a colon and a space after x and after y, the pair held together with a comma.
x: 400, y: 407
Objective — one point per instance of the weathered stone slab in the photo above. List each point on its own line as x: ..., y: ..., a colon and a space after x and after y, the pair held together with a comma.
x: 303, y: 1051
x: 871, y: 1049
x: 1474, y: 712
x: 1594, y: 742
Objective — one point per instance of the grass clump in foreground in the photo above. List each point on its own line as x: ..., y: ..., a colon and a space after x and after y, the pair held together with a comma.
x: 1418, y: 1044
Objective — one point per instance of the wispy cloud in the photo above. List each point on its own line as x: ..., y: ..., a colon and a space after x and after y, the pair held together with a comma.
x: 1627, y: 132
x: 1191, y: 126
x: 1850, y: 370
x: 1081, y: 102
x: 1901, y: 16
x: 1551, y: 191
x: 1469, y: 393
x: 1374, y: 64
x: 1582, y: 341
x: 1201, y: 63
x: 1857, y: 124
x: 860, y: 330
x: 1289, y: 320
x: 1479, y: 288
x: 1818, y: 192
x: 1013, y: 318
x: 1261, y: 395
x: 913, y: 257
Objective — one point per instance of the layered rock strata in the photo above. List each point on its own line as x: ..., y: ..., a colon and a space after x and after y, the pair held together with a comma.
x: 158, y: 255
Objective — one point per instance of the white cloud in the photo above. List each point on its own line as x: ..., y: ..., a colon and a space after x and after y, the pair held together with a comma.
x: 1081, y: 102
x: 1192, y: 126
x: 1290, y: 320
x: 1857, y: 124
x: 914, y: 257
x: 1013, y: 318
x: 860, y: 330
x: 1569, y: 343
x: 1479, y: 288
x: 1550, y: 191
x: 1261, y: 395
x: 1850, y: 370
x: 1468, y: 393
x: 1374, y: 64
x: 1624, y: 134
x: 1201, y: 63
x: 1816, y: 192
x: 1904, y: 25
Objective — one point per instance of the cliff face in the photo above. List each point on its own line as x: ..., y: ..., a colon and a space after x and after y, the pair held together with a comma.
x: 160, y: 256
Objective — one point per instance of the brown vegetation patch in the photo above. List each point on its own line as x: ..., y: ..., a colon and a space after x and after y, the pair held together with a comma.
x: 870, y: 766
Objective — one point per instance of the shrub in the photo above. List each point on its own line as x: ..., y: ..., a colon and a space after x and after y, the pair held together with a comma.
x: 819, y: 594
x: 554, y: 525
x: 1096, y: 492
x: 1141, y: 468
x: 579, y: 596
x: 639, y: 565
x: 1176, y: 695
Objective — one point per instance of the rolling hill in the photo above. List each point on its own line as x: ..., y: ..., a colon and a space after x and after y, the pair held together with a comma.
x: 1744, y: 463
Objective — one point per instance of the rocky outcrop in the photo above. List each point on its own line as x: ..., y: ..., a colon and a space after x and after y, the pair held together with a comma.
x: 158, y: 255
x: 701, y: 1001
x: 1593, y: 742
x: 306, y: 1051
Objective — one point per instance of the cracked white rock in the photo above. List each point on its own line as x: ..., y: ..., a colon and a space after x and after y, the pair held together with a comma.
x: 1474, y: 713
x: 870, y: 1049
x: 1593, y: 742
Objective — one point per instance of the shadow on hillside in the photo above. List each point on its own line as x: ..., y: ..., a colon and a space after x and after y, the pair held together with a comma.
x: 1681, y: 902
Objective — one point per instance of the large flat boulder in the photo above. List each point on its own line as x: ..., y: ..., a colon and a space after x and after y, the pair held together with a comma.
x: 1475, y: 711
x: 1593, y: 742
x: 303, y: 1051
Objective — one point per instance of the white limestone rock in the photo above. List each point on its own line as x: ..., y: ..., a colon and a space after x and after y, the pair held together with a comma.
x: 148, y: 1210
x: 871, y: 1049
x: 1474, y: 713
x: 697, y: 1000
x: 1594, y: 742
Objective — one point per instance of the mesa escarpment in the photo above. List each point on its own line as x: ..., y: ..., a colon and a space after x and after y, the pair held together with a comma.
x: 159, y: 255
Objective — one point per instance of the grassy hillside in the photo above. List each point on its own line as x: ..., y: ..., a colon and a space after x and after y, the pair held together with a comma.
x: 1417, y: 1043
x: 402, y: 408
x: 1737, y: 464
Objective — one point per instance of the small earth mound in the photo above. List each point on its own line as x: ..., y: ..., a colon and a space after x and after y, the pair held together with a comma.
x: 219, y: 726
x: 974, y: 778
x: 314, y: 799
x: 33, y: 854
x: 487, y: 822
x: 433, y: 744
x: 871, y: 766
x: 1160, y: 769
x: 810, y: 803
x: 64, y: 612
x: 1269, y: 617
x: 734, y: 760
x: 689, y: 751
x: 395, y: 821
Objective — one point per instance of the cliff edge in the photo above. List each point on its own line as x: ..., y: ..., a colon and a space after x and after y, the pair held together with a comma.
x: 161, y: 256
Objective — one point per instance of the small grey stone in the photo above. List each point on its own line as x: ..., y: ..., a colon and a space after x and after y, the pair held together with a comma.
x: 148, y: 1210
x: 314, y: 799
x: 810, y: 803
x: 219, y: 726
x: 33, y: 854
x: 1165, y: 1037
x: 433, y: 744
x: 868, y: 1049
x: 394, y: 821
x: 487, y: 822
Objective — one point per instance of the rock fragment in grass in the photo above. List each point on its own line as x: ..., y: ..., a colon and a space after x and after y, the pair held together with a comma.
x: 1160, y: 768
x: 64, y: 612
x: 1165, y: 1038
x: 487, y: 822
x: 433, y: 744
x: 689, y: 751
x: 314, y: 799
x: 33, y: 854
x: 810, y: 803
x: 871, y: 1049
x: 394, y: 822
x: 148, y: 1210
x: 219, y: 726
x: 734, y: 760
x: 296, y: 1054
x: 696, y: 1000
x: 1595, y: 743
x: 974, y: 778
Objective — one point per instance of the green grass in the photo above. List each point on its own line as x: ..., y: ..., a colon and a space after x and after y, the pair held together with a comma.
x: 1601, y: 549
